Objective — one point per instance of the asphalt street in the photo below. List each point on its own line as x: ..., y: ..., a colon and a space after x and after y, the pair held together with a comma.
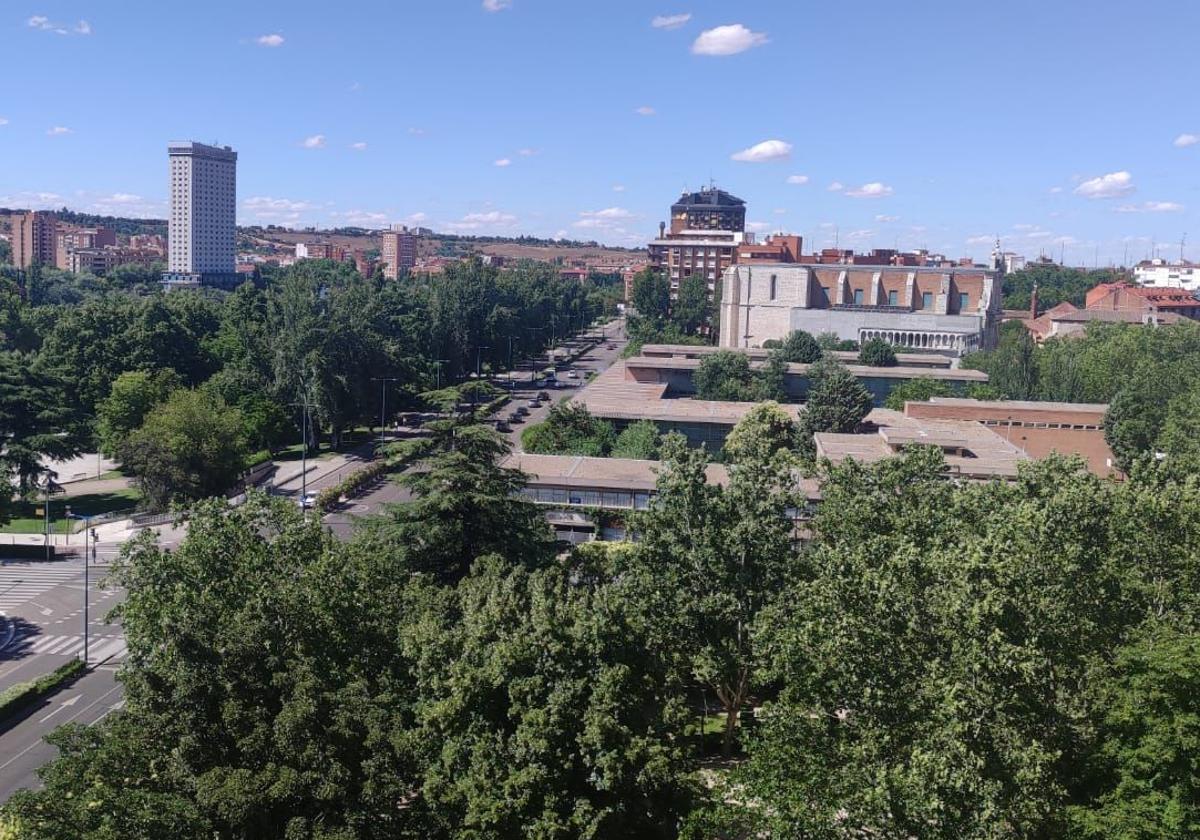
x: 42, y: 628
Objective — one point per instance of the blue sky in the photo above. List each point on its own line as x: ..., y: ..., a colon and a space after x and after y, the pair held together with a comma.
x: 918, y: 123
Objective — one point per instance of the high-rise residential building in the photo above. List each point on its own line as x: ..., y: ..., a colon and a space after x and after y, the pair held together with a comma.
x: 399, y: 251
x: 73, y: 239
x: 707, y: 228
x: 202, y: 228
x: 34, y: 239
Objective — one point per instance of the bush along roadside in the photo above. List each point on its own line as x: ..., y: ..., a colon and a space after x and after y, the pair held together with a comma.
x: 358, y: 479
x: 488, y: 409
x: 16, y: 697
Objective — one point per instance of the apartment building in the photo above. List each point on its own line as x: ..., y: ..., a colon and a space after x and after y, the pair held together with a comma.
x: 71, y: 238
x: 34, y: 239
x: 202, y: 226
x: 398, y: 252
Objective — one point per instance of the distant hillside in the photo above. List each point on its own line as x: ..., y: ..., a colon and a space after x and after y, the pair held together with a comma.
x: 122, y: 225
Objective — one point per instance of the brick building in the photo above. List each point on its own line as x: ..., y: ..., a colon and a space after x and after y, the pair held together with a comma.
x: 34, y: 239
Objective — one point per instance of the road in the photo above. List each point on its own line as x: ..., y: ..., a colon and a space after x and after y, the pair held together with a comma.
x: 387, y: 491
x: 42, y: 628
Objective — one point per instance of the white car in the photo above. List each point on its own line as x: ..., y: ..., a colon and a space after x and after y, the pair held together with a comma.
x: 308, y: 502
x: 572, y: 375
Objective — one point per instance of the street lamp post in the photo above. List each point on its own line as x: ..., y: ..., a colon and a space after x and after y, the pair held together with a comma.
x: 532, y: 363
x: 479, y: 357
x: 383, y: 381
x: 437, y: 366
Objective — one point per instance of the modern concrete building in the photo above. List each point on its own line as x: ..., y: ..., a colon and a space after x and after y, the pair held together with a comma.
x: 707, y: 227
x: 34, y: 239
x: 1038, y: 428
x: 1160, y: 272
x: 949, y: 310
x: 202, y: 227
x: 398, y: 252
x: 99, y: 261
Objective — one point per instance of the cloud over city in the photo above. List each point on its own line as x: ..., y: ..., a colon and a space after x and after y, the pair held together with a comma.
x: 764, y: 152
x: 727, y: 40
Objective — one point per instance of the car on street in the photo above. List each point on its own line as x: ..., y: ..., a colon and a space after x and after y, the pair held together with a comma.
x: 308, y: 501
x: 501, y: 426
x: 571, y: 374
x: 521, y: 410
x: 516, y: 417
x: 543, y: 396
x: 534, y: 402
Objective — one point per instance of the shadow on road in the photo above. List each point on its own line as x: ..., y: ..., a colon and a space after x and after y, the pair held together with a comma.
x: 24, y: 634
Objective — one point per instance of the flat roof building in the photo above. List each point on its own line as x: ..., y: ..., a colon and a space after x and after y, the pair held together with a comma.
x: 398, y: 253
x: 34, y: 238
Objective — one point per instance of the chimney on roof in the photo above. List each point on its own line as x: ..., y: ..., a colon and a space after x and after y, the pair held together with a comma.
x: 662, y: 230
x: 1033, y: 301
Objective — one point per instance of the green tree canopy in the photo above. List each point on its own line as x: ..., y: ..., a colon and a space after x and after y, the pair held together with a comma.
x: 570, y: 429
x: 877, y: 353
x: 190, y: 447
x: 132, y: 396
x: 639, y: 440
x: 920, y: 389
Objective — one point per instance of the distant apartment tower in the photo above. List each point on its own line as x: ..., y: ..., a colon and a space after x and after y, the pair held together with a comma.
x: 1160, y: 272
x: 707, y: 227
x: 74, y: 239
x: 399, y: 251
x: 34, y: 239
x: 202, y: 228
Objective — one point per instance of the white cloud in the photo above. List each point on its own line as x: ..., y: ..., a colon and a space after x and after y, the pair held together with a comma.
x: 46, y: 25
x: 1112, y: 185
x: 503, y: 162
x: 1185, y: 140
x: 527, y: 152
x: 354, y: 87
x: 644, y: 110
x: 670, y: 21
x: 562, y: 233
x: 363, y: 218
x: 886, y: 219
x: 58, y: 131
x: 32, y: 200
x: 727, y: 40
x: 836, y: 186
x: 618, y: 188
x: 121, y: 198
x: 416, y: 218
x: 1151, y: 207
x: 3, y: 121
x: 277, y: 211
x: 360, y: 146
x: 858, y: 235
x: 610, y: 219
x: 797, y: 179
x: 496, y: 5
x: 1055, y: 190
x: 871, y: 190
x: 1024, y: 226
x: 759, y: 227
x: 272, y: 40
x: 476, y: 221
x: 779, y: 211
x: 317, y: 141
x: 416, y: 132
x: 765, y: 151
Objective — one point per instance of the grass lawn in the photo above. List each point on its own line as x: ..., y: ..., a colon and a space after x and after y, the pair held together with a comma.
x: 26, y: 521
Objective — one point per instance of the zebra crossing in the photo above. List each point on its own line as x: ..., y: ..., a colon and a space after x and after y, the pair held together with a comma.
x: 100, y: 648
x: 23, y: 582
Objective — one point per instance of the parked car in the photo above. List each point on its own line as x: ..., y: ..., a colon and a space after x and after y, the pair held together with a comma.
x: 307, y: 502
x: 534, y: 402
x: 501, y: 426
x: 521, y: 411
x: 543, y: 396
x: 571, y: 374
x: 516, y: 417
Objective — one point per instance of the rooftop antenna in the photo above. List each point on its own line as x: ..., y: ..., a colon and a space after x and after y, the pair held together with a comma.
x: 1062, y: 253
x: 1182, y: 242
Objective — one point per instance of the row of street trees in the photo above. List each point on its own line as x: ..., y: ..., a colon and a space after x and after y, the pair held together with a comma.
x: 107, y: 368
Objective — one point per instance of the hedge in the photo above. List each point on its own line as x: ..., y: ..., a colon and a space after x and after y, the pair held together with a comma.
x: 16, y: 697
x: 328, y: 497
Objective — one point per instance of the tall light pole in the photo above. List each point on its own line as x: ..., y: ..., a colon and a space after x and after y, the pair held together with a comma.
x: 532, y: 364
x: 87, y: 523
x: 437, y: 366
x: 305, y: 405
x: 383, y: 381
x: 479, y: 355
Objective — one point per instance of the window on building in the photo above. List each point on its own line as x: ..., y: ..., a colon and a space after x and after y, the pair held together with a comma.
x: 964, y: 301
x: 858, y: 297
x: 893, y: 298
x: 927, y: 300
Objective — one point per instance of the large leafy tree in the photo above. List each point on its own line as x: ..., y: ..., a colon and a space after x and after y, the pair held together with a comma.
x: 132, y: 396
x: 692, y: 308
x: 709, y: 559
x: 465, y: 505
x: 552, y: 711
x: 877, y: 353
x: 37, y: 421
x: 638, y: 440
x: 799, y: 347
x: 189, y: 447
x: 570, y: 429
x: 724, y: 375
x: 651, y: 294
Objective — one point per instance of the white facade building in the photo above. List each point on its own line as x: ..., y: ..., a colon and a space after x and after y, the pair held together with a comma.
x: 202, y: 228
x: 1159, y: 272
